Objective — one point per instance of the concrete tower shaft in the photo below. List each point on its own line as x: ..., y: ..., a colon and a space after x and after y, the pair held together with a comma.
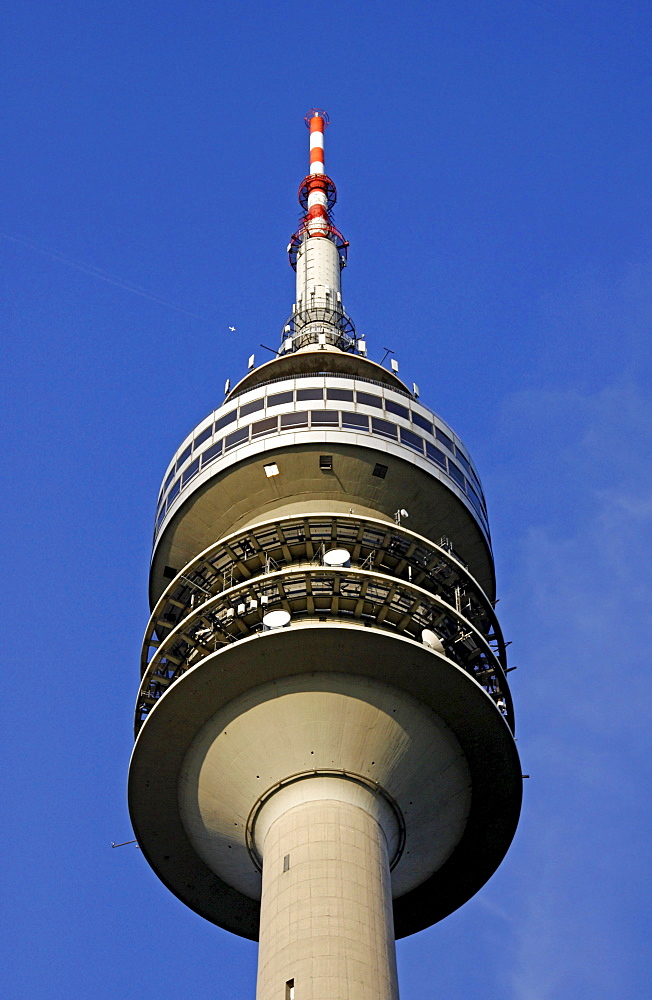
x: 324, y: 753
x: 322, y: 858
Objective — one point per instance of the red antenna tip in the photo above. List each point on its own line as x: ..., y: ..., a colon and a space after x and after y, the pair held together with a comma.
x: 317, y: 113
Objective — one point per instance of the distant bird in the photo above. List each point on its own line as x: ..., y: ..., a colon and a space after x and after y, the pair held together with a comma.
x: 232, y: 329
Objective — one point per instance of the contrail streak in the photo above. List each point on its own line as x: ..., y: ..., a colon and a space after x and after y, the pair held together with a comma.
x: 97, y: 272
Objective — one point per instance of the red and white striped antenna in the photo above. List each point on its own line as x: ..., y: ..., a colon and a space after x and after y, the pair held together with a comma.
x: 317, y: 252
x: 317, y: 121
x: 317, y: 194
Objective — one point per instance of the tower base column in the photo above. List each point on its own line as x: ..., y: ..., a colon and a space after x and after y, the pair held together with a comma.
x: 326, y: 924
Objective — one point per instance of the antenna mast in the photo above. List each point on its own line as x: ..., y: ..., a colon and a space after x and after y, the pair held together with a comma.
x: 318, y: 252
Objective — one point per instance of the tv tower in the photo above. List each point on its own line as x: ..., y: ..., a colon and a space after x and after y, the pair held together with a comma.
x: 324, y: 754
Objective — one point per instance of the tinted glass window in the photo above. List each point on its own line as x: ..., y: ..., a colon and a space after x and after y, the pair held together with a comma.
x: 205, y: 434
x: 191, y: 471
x: 421, y: 422
x: 435, y: 455
x: 357, y: 421
x: 168, y: 481
x: 444, y: 438
x: 462, y: 460
x: 368, y: 400
x: 455, y: 473
x: 228, y: 418
x: 328, y: 418
x: 268, y: 426
x: 255, y: 404
x: 310, y: 394
x: 231, y: 440
x: 280, y: 397
x: 478, y: 486
x: 413, y: 440
x: 211, y: 453
x: 383, y: 427
x: 174, y: 492
x: 183, y: 456
x: 160, y: 518
x: 400, y: 411
x: 475, y: 499
x: 294, y: 420
x: 346, y: 394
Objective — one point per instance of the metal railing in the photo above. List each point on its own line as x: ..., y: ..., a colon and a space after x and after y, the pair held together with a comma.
x: 397, y: 581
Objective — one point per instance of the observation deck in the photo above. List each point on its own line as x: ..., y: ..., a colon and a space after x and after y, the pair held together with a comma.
x: 294, y: 465
x: 387, y: 451
x: 395, y: 581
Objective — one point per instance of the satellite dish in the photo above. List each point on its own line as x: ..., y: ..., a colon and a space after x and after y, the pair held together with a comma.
x: 337, y: 557
x: 276, y: 619
x: 432, y: 641
x: 403, y: 512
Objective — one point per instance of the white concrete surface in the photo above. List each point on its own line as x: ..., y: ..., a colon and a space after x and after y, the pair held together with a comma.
x: 326, y: 910
x: 318, y: 269
x: 177, y: 785
x: 325, y: 721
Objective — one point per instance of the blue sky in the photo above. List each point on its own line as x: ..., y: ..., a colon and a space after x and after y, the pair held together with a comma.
x: 492, y: 162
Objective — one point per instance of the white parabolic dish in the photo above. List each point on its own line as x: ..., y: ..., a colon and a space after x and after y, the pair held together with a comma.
x: 276, y: 619
x: 337, y: 557
x: 432, y: 640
